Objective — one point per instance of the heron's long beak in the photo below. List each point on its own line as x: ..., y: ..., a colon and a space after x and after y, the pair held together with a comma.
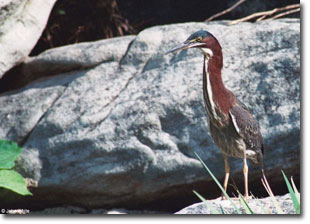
x: 185, y: 45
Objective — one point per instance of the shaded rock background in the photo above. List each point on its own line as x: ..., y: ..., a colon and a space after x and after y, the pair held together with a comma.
x: 117, y: 128
x: 74, y: 21
x: 21, y: 25
x: 77, y: 21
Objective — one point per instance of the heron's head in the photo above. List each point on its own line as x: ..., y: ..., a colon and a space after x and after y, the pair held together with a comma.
x: 201, y: 39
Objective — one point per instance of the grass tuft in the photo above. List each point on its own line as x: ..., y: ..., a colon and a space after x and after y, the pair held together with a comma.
x: 295, y: 201
x: 218, y: 184
x: 294, y: 194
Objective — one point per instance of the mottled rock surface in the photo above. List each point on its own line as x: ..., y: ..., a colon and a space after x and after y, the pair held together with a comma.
x: 118, y: 123
x: 21, y: 25
x: 258, y: 206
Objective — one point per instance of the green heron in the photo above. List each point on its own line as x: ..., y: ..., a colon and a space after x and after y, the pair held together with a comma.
x: 232, y: 127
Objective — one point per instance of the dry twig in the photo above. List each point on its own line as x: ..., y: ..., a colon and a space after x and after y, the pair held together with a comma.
x: 262, y: 15
x: 285, y: 13
x: 225, y: 11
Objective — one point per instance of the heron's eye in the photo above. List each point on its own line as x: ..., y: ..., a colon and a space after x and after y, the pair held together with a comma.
x: 198, y: 39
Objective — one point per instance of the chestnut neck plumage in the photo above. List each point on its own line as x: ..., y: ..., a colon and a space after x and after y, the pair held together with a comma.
x: 218, y: 99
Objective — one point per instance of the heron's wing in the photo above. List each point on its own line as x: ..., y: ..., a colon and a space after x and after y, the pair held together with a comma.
x: 246, y: 126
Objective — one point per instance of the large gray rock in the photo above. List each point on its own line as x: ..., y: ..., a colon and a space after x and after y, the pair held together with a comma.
x: 21, y: 25
x: 34, y: 100
x: 122, y: 131
x: 258, y: 206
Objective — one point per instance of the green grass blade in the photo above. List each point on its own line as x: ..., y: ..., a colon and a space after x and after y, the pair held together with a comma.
x: 295, y: 190
x: 207, y: 204
x: 246, y: 206
x: 292, y: 194
x: 218, y: 184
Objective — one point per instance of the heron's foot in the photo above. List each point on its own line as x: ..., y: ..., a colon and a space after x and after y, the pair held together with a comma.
x: 219, y: 198
x: 223, y: 197
x: 248, y: 197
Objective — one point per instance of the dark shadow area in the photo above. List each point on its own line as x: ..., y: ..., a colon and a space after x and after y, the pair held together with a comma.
x: 169, y: 200
x: 77, y: 21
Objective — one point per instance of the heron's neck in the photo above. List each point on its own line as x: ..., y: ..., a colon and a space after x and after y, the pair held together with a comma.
x: 217, y: 97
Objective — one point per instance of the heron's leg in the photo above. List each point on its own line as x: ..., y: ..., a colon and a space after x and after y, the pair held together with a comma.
x: 227, y: 170
x: 245, y: 173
